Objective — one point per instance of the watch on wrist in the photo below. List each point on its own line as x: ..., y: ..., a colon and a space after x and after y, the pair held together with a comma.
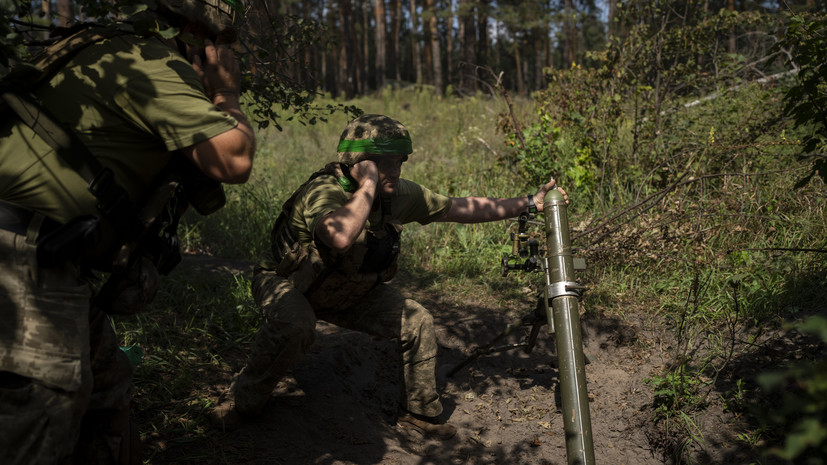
x: 532, y: 207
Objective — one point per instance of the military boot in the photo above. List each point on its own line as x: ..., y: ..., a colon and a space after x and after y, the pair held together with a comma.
x: 427, y: 426
x: 225, y: 415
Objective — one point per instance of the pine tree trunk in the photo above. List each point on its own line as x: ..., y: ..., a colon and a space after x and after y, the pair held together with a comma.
x: 731, y: 8
x: 519, y: 68
x: 484, y: 42
x: 46, y: 6
x: 540, y: 51
x: 613, y: 29
x: 324, y: 54
x: 379, y: 13
x: 65, y: 13
x: 417, y: 63
x: 449, y: 45
x: 363, y: 49
x: 309, y: 68
x: 396, y: 22
x: 570, y: 32
x: 344, y: 72
x: 467, y: 46
x: 435, y: 53
x: 427, y: 56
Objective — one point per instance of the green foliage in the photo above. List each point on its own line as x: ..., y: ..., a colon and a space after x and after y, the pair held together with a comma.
x: 806, y: 101
x: 692, y: 176
x: 675, y: 391
x: 11, y: 45
x: 799, y: 399
x: 274, y: 43
x: 185, y: 335
x: 270, y: 43
x: 240, y: 229
x: 570, y: 133
x: 689, y: 54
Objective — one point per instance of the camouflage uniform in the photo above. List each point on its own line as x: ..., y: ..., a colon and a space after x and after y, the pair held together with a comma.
x: 298, y: 281
x: 289, y: 330
x: 64, y: 383
x: 59, y: 361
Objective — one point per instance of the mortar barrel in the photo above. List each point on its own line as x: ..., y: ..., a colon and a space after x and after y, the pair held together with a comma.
x: 566, y: 319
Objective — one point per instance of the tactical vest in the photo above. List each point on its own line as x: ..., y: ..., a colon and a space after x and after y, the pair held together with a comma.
x: 138, y: 242
x: 331, y: 280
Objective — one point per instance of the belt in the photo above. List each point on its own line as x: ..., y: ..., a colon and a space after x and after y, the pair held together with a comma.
x: 16, y: 219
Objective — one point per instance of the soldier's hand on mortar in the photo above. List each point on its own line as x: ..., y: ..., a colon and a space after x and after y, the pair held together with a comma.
x: 219, y: 71
x: 540, y: 196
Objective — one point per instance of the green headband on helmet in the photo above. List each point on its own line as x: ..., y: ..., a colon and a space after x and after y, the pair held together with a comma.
x: 381, y: 145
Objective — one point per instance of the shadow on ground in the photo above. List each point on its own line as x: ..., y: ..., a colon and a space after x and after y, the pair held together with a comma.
x: 338, y: 405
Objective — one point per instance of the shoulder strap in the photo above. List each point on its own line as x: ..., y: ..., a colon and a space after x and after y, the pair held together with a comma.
x: 54, y: 56
x: 113, y: 201
x: 386, y: 208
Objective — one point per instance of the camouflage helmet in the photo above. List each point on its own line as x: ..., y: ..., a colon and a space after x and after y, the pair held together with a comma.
x: 222, y: 17
x: 373, y: 135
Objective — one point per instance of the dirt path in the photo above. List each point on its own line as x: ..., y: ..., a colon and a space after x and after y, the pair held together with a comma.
x: 338, y: 406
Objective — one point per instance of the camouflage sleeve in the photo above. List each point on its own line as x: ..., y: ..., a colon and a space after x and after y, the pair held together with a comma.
x: 322, y: 196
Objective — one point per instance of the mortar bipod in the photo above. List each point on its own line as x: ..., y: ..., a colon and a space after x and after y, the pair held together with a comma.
x: 536, y: 319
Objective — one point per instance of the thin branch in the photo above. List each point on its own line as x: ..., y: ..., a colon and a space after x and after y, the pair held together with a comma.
x: 499, y: 85
x: 715, y: 95
x: 779, y: 249
x: 488, y: 146
x: 661, y: 193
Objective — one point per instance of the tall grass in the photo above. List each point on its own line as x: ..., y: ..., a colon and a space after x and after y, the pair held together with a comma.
x: 720, y: 259
x: 201, y: 320
x: 457, y: 152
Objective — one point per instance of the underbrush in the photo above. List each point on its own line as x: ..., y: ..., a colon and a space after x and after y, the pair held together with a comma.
x: 707, y: 217
x: 699, y: 225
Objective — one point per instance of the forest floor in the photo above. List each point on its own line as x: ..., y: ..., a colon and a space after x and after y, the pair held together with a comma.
x: 339, y: 404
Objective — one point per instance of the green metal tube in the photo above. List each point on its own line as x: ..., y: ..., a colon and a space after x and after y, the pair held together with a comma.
x: 566, y: 319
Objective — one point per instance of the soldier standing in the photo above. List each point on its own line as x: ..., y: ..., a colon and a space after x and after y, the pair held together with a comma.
x: 133, y: 104
x: 334, y: 247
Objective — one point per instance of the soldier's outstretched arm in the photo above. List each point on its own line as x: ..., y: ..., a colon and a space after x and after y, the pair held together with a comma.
x: 484, y: 209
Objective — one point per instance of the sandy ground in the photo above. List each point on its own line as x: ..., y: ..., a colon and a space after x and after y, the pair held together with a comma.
x: 339, y: 404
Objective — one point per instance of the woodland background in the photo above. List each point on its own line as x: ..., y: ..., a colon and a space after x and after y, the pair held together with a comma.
x: 353, y: 47
x: 691, y: 136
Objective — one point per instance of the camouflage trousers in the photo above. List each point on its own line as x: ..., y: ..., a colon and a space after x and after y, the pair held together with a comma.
x: 288, y: 330
x: 63, y: 380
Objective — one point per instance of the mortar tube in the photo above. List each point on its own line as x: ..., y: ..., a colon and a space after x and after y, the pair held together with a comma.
x: 566, y: 319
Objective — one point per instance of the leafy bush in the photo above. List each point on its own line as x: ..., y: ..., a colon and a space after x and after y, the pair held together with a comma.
x: 575, y: 126
x: 696, y: 183
x: 806, y: 101
x: 799, y: 399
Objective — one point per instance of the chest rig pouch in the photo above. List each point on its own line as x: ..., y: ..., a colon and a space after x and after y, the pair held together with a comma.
x: 333, y: 281
x: 345, y: 279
